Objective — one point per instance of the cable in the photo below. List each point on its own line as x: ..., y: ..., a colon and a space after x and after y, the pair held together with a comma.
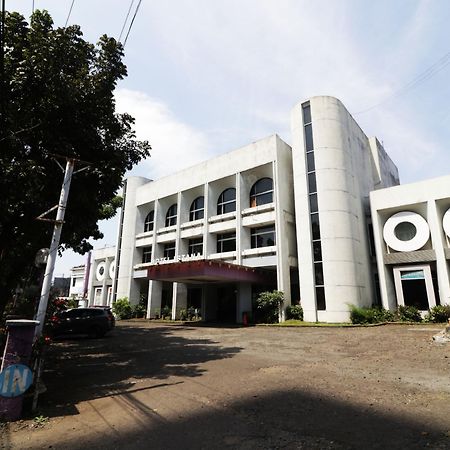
x: 126, y: 19
x: 131, y: 24
x: 70, y: 12
x: 439, y: 65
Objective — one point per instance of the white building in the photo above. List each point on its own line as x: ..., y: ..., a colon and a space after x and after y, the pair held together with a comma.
x: 411, y: 226
x: 265, y: 216
x: 77, y: 282
x: 101, y: 276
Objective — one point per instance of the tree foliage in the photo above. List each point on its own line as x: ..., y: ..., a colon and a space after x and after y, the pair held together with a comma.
x: 57, y: 98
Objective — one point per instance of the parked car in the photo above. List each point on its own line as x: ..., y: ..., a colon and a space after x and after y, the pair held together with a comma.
x: 95, y: 322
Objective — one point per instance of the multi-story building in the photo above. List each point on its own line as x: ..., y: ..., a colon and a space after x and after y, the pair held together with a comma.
x: 265, y: 216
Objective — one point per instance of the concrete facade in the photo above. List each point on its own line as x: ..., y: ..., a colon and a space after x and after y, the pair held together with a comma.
x: 299, y: 218
x: 101, y: 276
x: 412, y: 239
x: 341, y: 167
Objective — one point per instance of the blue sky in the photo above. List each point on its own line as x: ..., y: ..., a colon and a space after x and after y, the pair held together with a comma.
x: 206, y: 77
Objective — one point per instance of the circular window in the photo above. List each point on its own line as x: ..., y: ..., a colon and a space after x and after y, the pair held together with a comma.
x: 446, y: 222
x: 100, y: 272
x: 112, y: 269
x: 406, y: 231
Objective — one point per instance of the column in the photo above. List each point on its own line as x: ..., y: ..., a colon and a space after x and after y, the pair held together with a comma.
x: 154, y: 299
x: 179, y: 299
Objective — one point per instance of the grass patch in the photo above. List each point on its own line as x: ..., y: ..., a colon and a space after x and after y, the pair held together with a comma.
x: 300, y: 323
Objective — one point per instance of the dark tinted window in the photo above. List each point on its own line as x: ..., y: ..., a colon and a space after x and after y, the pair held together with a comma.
x: 197, y: 210
x: 313, y: 203
x: 263, y: 237
x: 312, y: 182
x: 171, y: 216
x: 315, y: 226
x: 320, y: 298
x: 309, y: 144
x: 261, y: 192
x: 310, y: 164
x: 227, y: 201
x: 306, y: 114
x: 226, y: 242
x: 149, y: 221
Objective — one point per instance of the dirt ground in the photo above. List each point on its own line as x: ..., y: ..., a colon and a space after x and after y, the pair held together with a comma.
x: 155, y: 386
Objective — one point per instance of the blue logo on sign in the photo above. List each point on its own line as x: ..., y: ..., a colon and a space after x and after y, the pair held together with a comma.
x: 15, y: 380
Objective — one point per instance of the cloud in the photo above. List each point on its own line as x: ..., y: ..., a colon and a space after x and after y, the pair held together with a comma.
x: 175, y: 145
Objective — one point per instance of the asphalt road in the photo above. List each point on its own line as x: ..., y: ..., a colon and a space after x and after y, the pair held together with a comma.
x: 153, y: 386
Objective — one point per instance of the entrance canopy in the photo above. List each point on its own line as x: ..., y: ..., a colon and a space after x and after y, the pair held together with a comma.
x: 203, y: 271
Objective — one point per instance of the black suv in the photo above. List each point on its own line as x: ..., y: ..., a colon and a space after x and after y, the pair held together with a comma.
x: 95, y: 322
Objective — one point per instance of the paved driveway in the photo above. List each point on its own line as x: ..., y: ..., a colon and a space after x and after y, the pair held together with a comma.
x: 152, y: 386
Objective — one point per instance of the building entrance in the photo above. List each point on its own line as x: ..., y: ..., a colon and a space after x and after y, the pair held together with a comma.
x: 226, y: 304
x: 414, y: 287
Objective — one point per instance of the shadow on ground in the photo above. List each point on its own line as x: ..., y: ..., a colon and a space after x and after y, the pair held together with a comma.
x: 80, y: 369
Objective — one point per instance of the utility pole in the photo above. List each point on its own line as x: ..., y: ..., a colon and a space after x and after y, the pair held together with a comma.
x: 2, y: 63
x: 50, y: 267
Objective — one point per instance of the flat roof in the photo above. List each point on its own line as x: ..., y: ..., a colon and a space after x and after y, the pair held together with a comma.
x: 206, y: 271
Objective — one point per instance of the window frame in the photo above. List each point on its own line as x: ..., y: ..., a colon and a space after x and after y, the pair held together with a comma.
x: 149, y: 221
x: 224, y: 238
x: 171, y: 215
x: 168, y: 250
x: 193, y: 243
x: 255, y: 195
x: 196, y: 212
x: 222, y: 204
x: 256, y: 232
x: 146, y: 251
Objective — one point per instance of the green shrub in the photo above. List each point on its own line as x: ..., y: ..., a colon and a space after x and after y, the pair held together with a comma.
x: 439, y: 314
x: 408, y: 314
x: 294, y: 312
x: 166, y: 312
x: 122, y: 308
x: 362, y: 315
x: 268, y: 306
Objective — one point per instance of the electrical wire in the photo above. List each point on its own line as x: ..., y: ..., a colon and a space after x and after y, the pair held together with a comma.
x: 131, y: 24
x: 70, y: 12
x: 126, y: 19
x: 435, y: 68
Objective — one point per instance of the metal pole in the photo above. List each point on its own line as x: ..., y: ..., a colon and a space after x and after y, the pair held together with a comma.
x: 50, y: 267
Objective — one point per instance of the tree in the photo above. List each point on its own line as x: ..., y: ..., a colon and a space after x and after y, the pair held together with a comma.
x: 57, y: 98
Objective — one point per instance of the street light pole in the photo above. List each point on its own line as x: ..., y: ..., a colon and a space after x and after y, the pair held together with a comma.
x: 50, y: 267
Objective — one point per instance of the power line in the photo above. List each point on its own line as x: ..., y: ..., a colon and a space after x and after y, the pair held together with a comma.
x: 125, y: 21
x: 439, y: 65
x: 70, y: 12
x: 131, y: 24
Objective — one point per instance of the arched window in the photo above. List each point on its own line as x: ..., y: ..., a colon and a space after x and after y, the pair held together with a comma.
x: 149, y: 221
x: 261, y: 192
x: 197, y: 210
x: 227, y: 201
x: 171, y: 216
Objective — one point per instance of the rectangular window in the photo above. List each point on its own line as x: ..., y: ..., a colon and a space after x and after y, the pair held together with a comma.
x: 74, y: 281
x: 312, y: 182
x: 309, y: 145
x: 313, y: 207
x: 169, y: 250
x: 310, y: 164
x: 226, y: 242
x: 315, y: 229
x: 320, y: 298
x: 147, y: 254
x: 317, y: 251
x: 306, y: 113
x: 195, y: 246
x: 263, y: 237
x: 318, y: 273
